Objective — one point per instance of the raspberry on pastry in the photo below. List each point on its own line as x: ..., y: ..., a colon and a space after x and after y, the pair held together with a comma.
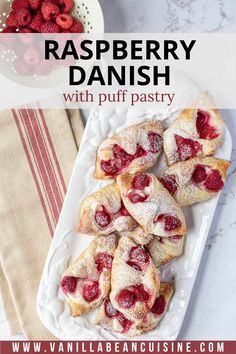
x: 195, y: 180
x: 135, y: 281
x: 196, y: 132
x: 103, y: 212
x: 151, y: 206
x: 113, y: 320
x: 133, y: 149
x: 86, y: 283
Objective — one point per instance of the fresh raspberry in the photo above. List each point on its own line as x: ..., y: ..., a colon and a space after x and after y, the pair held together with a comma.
x: 25, y: 30
x: 22, y: 68
x: 29, y: 39
x: 50, y: 27
x: 20, y: 4
x: 23, y: 17
x: 66, y: 5
x: 37, y: 21
x: 77, y: 27
x: 49, y: 11
x: 35, y: 4
x: 11, y: 20
x: 9, y: 30
x: 65, y: 21
x: 55, y: 2
x: 32, y: 55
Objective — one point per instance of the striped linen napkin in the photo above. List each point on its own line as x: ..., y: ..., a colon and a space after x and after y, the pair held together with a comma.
x: 37, y: 153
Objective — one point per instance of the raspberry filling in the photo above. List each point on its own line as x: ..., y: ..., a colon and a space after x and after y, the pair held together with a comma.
x: 210, y: 178
x: 111, y: 312
x: 214, y: 181
x: 102, y: 217
x: 141, y: 181
x: 155, y: 142
x: 127, y: 298
x: 68, y: 284
x: 204, y: 129
x: 134, y: 265
x: 121, y: 160
x: 123, y: 211
x: 90, y: 290
x: 138, y: 258
x: 169, y: 182
x: 136, y: 197
x: 187, y: 148
x: 175, y: 238
x: 159, y: 305
x: 170, y: 221
x: 103, y: 261
x: 199, y: 174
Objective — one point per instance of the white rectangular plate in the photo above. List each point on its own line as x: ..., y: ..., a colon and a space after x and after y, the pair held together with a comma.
x: 67, y: 244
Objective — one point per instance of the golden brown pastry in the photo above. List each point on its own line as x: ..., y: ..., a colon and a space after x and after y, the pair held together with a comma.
x: 135, y: 281
x: 111, y: 319
x: 151, y: 205
x: 133, y: 149
x: 195, y: 180
x: 165, y: 249
x: 103, y: 212
x: 87, y: 281
x: 196, y: 132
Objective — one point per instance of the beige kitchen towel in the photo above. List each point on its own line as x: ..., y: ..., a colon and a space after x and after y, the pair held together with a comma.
x: 37, y: 154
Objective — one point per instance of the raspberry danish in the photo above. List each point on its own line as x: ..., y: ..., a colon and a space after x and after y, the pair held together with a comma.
x: 161, y: 249
x: 135, y: 281
x: 133, y: 149
x: 195, y: 180
x: 113, y: 320
x: 87, y: 281
x: 196, y: 132
x: 151, y: 205
x: 103, y: 212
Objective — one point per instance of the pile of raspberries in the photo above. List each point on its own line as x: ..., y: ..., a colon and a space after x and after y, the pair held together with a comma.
x: 42, y: 16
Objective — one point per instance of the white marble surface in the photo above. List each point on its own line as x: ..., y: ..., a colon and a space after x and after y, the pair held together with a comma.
x: 211, y: 313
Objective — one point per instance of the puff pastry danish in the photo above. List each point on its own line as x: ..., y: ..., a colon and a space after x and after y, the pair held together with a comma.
x: 195, y: 180
x: 87, y: 281
x: 133, y: 149
x: 196, y: 132
x: 103, y: 212
x: 135, y: 281
x: 113, y: 320
x: 151, y: 205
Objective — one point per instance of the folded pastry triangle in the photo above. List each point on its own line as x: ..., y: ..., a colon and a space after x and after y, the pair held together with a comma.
x: 87, y: 281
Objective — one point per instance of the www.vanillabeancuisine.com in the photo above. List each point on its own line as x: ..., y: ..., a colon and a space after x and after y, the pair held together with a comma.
x: 118, y: 347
